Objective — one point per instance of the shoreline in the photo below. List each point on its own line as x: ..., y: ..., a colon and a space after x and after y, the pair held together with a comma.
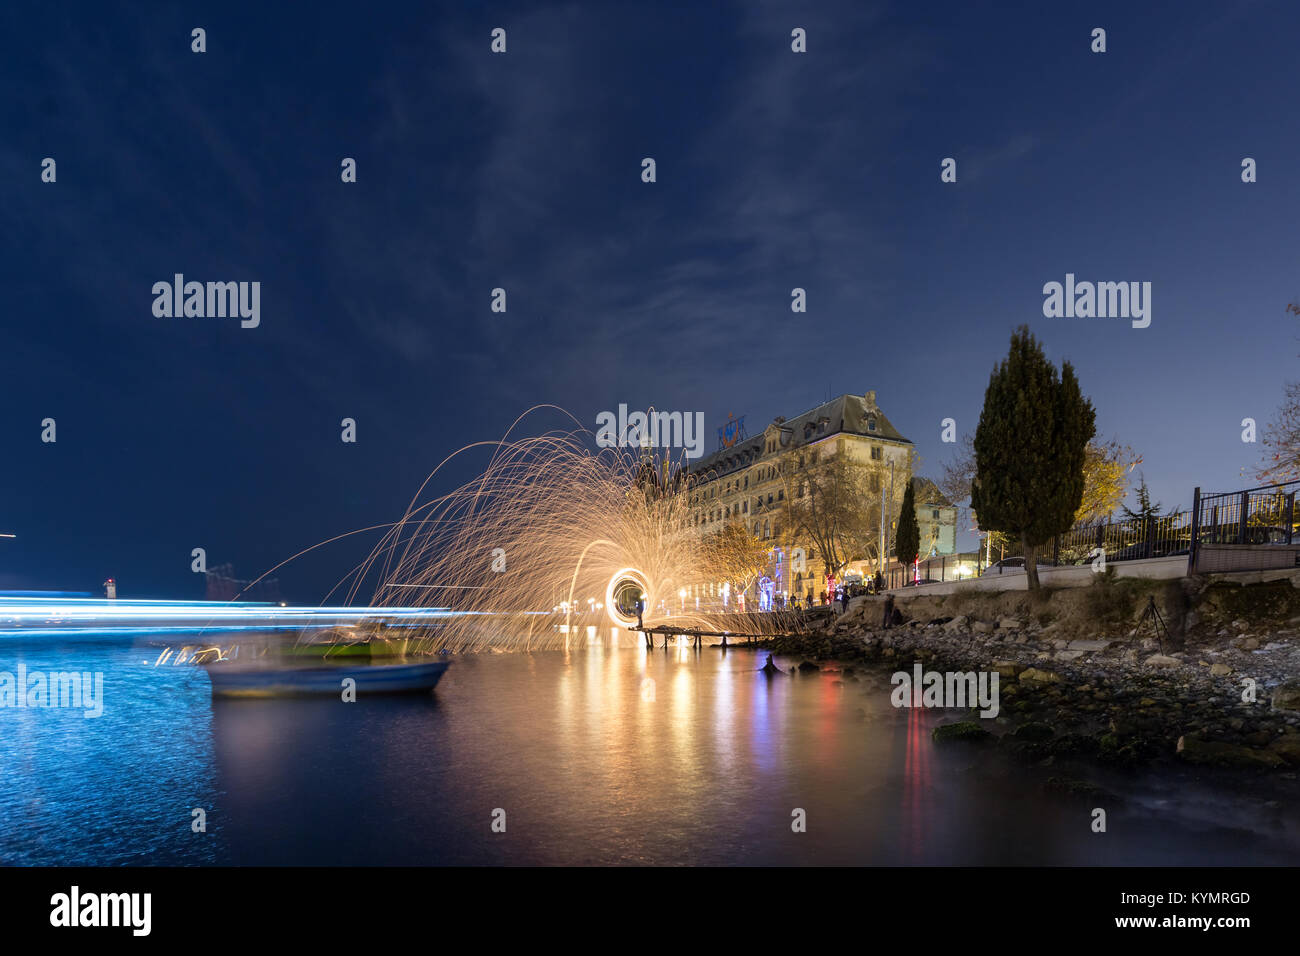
x: 1120, y: 702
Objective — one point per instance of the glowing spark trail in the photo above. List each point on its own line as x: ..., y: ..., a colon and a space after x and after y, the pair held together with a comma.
x: 550, y: 538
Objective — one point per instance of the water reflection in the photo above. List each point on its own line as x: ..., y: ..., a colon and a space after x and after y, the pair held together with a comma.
x: 611, y: 753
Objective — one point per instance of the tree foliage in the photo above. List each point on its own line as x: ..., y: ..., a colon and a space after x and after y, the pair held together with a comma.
x: 834, y: 501
x: 1281, y: 436
x: 1106, y: 469
x: 738, y: 556
x: 908, y: 540
x: 1030, y: 448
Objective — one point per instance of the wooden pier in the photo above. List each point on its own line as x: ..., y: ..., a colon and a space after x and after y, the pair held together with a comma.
x: 695, y: 635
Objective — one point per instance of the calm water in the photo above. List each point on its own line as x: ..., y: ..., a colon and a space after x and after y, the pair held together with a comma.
x: 589, y: 761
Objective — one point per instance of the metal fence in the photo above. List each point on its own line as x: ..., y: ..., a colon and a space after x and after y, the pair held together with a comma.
x: 1121, y: 539
x: 1264, y: 515
x: 1257, y: 517
x: 1125, y: 539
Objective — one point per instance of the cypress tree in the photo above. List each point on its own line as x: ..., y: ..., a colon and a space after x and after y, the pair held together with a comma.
x: 907, y: 542
x: 1030, y: 447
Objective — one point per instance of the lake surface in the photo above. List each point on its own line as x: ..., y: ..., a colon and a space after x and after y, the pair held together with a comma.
x: 606, y: 755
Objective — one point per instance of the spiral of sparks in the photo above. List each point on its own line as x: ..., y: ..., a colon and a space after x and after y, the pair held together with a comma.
x: 542, y: 548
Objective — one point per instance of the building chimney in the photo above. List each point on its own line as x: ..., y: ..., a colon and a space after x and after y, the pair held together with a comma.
x: 871, y: 398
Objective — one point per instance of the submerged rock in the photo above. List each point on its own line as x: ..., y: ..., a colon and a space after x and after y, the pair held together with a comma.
x: 967, y: 730
x: 1034, y: 731
x: 1287, y: 747
x: 1287, y: 696
x: 1218, y: 754
x: 1040, y: 675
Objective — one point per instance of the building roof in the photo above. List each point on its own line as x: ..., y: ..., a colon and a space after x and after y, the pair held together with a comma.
x: 847, y: 414
x: 926, y: 492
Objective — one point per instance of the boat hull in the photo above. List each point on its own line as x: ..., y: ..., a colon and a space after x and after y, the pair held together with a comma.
x: 230, y: 681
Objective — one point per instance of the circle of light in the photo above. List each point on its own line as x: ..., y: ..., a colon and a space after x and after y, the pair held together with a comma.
x: 611, y: 605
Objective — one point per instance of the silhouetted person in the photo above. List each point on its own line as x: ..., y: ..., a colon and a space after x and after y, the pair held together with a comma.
x: 880, y: 582
x: 888, y: 618
x: 640, y: 607
x: 844, y: 600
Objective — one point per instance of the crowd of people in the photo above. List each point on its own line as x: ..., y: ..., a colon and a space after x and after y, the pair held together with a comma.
x: 839, y: 594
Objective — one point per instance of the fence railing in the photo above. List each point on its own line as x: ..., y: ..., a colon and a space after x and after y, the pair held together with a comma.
x: 1255, y: 517
x: 1264, y: 515
x: 1121, y: 539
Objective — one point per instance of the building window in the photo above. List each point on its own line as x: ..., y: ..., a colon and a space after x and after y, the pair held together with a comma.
x: 935, y: 514
x: 876, y: 453
x: 746, y: 507
x: 871, y: 424
x: 875, y: 484
x: 767, y: 530
x: 780, y: 495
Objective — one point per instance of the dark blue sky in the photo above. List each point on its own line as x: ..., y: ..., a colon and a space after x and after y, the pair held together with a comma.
x: 522, y: 170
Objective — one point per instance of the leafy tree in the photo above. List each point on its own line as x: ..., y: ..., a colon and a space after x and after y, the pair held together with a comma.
x: 908, y: 540
x: 1106, y: 468
x: 735, y: 555
x: 1282, y: 435
x: 1146, y: 511
x: 1030, y: 448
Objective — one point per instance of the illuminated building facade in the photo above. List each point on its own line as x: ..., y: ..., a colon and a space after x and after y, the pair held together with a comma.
x: 755, y: 480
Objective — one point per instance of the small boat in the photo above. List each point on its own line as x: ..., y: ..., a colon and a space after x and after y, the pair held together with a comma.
x: 230, y: 679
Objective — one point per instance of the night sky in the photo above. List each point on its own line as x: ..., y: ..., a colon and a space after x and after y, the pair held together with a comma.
x: 523, y: 170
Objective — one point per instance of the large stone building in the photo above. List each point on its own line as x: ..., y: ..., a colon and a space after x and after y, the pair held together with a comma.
x: 761, y: 482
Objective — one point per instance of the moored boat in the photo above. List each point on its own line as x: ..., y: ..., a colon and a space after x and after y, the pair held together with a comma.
x: 230, y: 679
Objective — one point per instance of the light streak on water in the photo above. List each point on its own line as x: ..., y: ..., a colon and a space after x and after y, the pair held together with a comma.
x: 49, y: 616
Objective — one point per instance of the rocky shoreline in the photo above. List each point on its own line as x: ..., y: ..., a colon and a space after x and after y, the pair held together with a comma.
x: 1124, y: 699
